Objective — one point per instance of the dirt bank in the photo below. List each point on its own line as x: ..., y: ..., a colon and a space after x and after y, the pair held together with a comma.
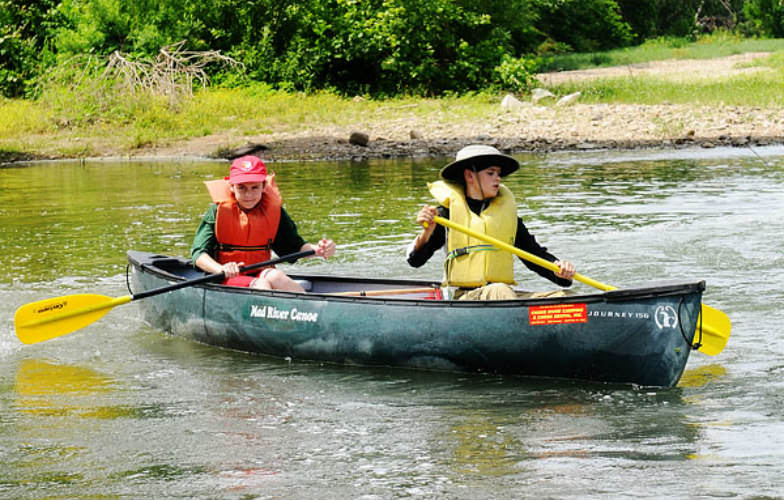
x: 527, y: 127
x: 540, y: 128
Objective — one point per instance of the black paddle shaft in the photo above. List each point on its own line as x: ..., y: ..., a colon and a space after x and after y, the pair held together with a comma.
x: 210, y: 277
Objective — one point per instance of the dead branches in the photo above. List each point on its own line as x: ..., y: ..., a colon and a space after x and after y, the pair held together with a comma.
x: 173, y: 73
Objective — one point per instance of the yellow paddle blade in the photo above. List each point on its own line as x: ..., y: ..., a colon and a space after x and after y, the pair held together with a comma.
x: 49, y: 318
x: 716, y: 327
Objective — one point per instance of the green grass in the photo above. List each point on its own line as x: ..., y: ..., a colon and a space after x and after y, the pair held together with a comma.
x: 80, y: 122
x: 762, y: 89
x: 719, y: 44
x: 24, y: 117
x: 67, y: 121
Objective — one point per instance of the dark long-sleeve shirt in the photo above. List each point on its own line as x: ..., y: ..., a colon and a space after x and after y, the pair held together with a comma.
x: 523, y: 240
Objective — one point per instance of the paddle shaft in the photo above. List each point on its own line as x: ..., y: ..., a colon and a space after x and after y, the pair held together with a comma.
x: 211, y: 277
x: 108, y: 304
x: 522, y: 253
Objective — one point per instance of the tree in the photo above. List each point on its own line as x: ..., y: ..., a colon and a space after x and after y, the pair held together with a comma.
x: 25, y: 27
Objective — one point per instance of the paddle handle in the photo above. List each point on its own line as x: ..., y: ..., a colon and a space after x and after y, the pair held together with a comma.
x: 520, y: 253
x: 211, y: 277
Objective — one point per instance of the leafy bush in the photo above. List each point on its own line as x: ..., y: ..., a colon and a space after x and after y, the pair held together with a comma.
x: 377, y: 47
x: 369, y: 46
x: 393, y: 46
x: 517, y: 73
x: 585, y: 25
x: 764, y: 17
x: 24, y: 28
x: 654, y: 18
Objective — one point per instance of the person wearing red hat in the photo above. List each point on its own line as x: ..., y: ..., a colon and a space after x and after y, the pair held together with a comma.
x: 245, y: 224
x: 470, y: 193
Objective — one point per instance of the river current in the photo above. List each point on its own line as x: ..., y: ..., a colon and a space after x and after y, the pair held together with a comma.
x: 121, y: 410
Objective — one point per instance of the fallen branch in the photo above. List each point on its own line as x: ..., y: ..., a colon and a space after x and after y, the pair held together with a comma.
x: 173, y: 73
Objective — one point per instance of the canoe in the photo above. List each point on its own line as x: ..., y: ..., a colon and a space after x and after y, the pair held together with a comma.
x: 641, y: 336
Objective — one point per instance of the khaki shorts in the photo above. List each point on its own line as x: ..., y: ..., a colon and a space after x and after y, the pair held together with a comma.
x: 502, y: 291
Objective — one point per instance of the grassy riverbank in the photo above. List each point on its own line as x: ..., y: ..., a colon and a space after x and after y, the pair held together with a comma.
x: 719, y: 44
x: 660, y: 99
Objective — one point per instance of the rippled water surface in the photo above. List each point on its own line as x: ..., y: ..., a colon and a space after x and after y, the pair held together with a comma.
x: 120, y: 410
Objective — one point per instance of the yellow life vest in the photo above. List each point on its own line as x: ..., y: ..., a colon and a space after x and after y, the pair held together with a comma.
x: 470, y: 262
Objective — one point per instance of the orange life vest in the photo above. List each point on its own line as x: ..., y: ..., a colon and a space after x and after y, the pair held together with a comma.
x: 245, y: 236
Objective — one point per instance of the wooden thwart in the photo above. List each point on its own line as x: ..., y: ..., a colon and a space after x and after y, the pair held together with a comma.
x: 393, y: 291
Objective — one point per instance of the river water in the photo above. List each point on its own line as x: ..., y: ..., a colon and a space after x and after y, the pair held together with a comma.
x: 120, y: 410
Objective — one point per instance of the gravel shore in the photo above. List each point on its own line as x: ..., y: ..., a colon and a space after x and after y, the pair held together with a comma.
x: 544, y: 126
x: 524, y: 127
x: 527, y: 128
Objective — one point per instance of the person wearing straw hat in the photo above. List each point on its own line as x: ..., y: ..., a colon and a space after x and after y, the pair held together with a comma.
x: 470, y: 193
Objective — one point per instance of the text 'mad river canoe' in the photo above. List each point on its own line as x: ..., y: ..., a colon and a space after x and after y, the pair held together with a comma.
x: 640, y: 336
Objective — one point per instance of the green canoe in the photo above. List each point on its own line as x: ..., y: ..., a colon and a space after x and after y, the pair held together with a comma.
x: 640, y: 336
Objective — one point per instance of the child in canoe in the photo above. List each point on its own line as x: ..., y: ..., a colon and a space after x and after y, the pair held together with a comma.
x: 470, y: 193
x: 244, y: 224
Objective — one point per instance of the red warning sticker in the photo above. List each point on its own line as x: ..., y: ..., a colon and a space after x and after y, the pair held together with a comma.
x: 557, y: 314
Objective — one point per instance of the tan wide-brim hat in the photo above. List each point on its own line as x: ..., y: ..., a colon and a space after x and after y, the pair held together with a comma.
x: 478, y: 157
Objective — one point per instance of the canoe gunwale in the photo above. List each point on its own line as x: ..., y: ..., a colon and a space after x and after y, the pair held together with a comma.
x: 148, y: 262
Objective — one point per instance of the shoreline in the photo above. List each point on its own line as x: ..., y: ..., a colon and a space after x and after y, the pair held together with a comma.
x: 525, y: 128
x: 421, y: 130
x: 339, y: 149
x: 531, y: 128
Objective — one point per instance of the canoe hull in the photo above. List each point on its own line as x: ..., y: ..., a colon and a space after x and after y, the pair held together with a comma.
x: 639, y: 336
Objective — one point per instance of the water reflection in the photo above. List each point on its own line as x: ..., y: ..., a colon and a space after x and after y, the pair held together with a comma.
x: 482, y: 448
x: 563, y: 424
x: 48, y: 389
x: 699, y: 377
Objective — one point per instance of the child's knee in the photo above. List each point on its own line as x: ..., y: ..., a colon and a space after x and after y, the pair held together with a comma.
x: 261, y: 284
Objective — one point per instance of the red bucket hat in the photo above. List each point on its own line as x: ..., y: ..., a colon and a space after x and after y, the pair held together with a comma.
x: 247, y: 169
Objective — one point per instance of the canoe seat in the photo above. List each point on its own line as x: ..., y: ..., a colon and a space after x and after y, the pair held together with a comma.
x: 306, y: 284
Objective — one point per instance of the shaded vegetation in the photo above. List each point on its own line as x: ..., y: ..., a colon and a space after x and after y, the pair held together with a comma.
x: 375, y: 47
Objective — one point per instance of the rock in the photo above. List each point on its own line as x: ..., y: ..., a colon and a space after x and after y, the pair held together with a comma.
x: 358, y: 138
x: 539, y: 94
x: 741, y: 141
x: 415, y: 134
x: 248, y: 149
x: 568, y: 100
x: 511, y: 102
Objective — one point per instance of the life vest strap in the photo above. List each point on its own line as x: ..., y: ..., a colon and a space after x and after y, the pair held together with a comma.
x: 224, y: 247
x: 457, y: 252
